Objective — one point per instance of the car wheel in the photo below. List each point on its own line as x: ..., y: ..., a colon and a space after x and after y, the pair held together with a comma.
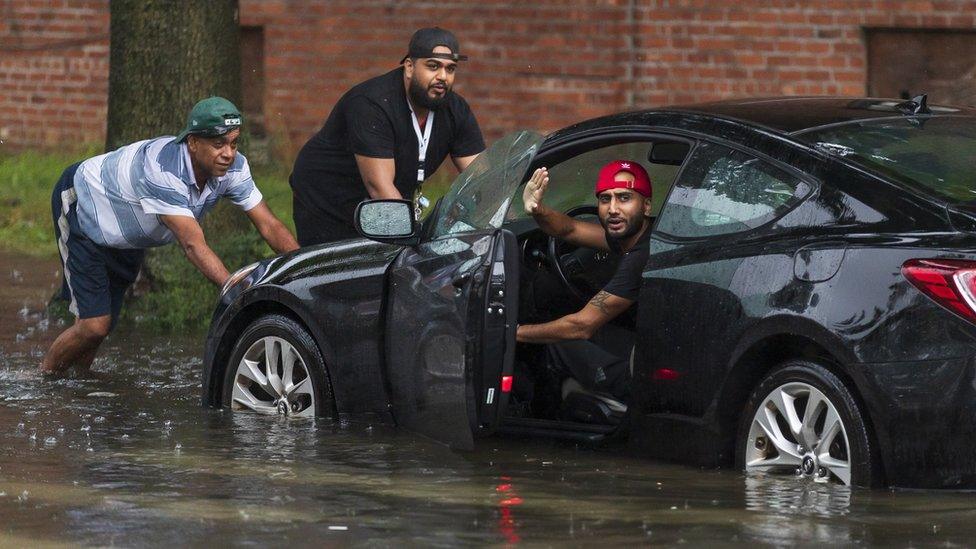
x: 276, y: 368
x: 802, y: 420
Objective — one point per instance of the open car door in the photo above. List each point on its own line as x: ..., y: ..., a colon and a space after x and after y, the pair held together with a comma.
x: 452, y: 309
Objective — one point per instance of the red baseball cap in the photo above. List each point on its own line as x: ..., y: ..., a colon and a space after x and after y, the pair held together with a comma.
x: 641, y: 182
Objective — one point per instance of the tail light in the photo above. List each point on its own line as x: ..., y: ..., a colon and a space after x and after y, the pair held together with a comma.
x: 950, y: 282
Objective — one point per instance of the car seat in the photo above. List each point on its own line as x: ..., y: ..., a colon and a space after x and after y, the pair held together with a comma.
x: 586, y: 406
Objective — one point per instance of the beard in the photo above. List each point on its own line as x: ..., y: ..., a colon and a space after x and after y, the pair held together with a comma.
x: 418, y: 94
x: 633, y: 226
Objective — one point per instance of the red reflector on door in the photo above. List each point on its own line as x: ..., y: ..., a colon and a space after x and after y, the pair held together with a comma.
x: 665, y: 374
x: 506, y: 384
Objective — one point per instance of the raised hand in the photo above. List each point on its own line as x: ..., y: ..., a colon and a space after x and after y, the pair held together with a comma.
x: 534, y: 189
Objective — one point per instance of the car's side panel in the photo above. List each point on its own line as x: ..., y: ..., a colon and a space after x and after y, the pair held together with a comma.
x: 913, y: 364
x: 693, y: 314
x: 826, y: 273
x: 338, y: 293
x: 924, y: 412
x: 910, y: 361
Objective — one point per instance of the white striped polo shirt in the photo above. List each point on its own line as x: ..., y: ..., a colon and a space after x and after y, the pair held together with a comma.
x: 122, y: 193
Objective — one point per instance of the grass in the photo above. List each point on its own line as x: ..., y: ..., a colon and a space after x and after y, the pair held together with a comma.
x: 26, y: 182
x: 173, y: 295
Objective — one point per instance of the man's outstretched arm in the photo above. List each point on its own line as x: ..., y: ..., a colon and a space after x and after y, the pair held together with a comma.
x: 190, y: 236
x: 582, y: 324
x: 556, y: 223
x: 272, y: 229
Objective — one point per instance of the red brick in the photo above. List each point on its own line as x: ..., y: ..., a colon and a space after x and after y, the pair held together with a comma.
x: 550, y: 62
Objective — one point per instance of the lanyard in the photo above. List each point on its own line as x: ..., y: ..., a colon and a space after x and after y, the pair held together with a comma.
x: 423, y: 139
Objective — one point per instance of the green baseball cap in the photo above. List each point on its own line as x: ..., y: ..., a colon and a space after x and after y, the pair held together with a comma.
x: 211, y: 117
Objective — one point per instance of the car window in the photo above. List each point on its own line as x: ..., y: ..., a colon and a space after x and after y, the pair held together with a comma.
x: 724, y: 191
x: 480, y: 196
x: 572, y: 181
x: 935, y: 153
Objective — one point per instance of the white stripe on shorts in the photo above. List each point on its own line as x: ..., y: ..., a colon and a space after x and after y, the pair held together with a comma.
x: 68, y: 197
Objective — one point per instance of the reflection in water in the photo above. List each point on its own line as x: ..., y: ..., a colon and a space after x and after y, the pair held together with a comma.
x: 126, y: 456
x: 782, y: 500
x: 507, y: 504
x: 789, y: 496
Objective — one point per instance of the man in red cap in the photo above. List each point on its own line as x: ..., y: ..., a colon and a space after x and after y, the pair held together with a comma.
x: 623, y: 191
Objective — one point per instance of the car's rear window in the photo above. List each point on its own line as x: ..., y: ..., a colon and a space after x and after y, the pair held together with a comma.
x: 935, y: 153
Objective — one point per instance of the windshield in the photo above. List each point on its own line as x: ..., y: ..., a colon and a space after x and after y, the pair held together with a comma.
x: 480, y: 196
x: 935, y: 153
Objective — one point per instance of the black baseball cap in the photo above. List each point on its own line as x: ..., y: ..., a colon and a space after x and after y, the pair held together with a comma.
x: 424, y: 41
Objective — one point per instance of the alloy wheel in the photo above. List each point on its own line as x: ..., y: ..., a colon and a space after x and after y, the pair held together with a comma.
x: 797, y: 430
x: 272, y: 378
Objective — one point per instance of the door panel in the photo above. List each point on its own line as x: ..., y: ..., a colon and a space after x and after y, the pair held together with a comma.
x: 496, y: 358
x: 440, y: 292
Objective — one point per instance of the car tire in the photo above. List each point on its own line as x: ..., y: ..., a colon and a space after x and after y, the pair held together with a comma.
x: 829, y: 442
x: 248, y: 385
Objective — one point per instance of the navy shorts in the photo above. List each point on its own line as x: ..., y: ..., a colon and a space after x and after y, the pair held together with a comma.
x: 95, y: 277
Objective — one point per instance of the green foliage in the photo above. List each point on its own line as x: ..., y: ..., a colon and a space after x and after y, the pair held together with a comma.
x: 26, y: 182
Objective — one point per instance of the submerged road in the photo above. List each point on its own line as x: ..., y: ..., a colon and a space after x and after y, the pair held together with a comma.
x: 126, y: 456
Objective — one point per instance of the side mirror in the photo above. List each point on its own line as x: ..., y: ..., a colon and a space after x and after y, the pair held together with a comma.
x: 387, y: 220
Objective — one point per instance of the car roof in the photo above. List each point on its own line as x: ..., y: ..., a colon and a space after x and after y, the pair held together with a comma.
x: 779, y: 115
x: 794, y: 114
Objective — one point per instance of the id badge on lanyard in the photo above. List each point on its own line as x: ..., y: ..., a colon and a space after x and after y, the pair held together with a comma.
x: 423, y: 139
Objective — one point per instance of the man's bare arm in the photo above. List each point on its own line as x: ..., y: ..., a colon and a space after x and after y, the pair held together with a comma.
x: 272, y: 229
x: 462, y: 162
x: 378, y: 175
x: 190, y: 236
x: 556, y: 223
x: 582, y: 324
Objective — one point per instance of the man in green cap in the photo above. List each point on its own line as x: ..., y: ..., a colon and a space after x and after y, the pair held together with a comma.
x: 108, y: 209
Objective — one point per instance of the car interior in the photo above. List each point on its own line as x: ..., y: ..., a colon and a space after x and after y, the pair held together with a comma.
x: 557, y: 279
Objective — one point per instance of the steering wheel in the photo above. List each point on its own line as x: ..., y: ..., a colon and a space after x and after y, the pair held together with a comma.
x: 581, y: 271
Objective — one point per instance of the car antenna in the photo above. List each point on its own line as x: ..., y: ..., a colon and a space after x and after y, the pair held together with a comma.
x: 915, y: 105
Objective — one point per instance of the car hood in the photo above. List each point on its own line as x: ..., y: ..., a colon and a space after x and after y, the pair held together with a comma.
x: 336, y: 259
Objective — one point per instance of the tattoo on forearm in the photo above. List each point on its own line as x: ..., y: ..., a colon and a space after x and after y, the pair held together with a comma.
x: 600, y: 301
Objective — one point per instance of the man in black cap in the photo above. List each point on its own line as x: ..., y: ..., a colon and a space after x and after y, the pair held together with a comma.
x: 383, y: 138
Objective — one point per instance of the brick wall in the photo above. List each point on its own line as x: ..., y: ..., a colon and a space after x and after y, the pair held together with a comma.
x: 53, y: 71
x: 542, y: 64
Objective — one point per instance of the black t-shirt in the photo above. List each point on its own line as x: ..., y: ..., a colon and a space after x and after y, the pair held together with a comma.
x: 626, y: 281
x: 372, y: 119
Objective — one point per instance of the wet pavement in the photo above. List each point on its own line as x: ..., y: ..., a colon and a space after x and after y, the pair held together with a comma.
x: 126, y: 456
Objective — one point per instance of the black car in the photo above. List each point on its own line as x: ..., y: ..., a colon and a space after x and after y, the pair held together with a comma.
x: 808, y: 307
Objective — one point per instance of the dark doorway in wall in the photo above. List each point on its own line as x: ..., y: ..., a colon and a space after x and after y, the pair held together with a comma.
x: 907, y: 62
x: 252, y: 80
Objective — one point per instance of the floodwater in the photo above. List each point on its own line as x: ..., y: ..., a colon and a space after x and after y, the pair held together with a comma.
x: 127, y: 456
